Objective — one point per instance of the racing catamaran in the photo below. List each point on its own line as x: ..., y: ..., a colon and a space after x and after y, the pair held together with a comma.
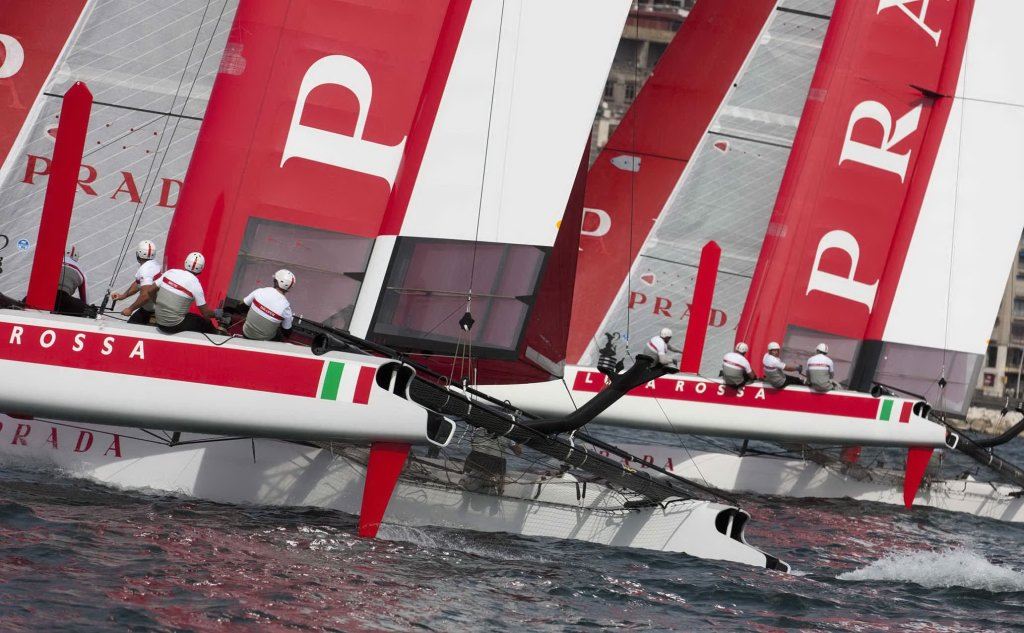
x: 857, y: 163
x: 366, y: 211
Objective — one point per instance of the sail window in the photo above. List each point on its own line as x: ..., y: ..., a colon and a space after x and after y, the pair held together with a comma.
x: 329, y: 267
x: 429, y: 282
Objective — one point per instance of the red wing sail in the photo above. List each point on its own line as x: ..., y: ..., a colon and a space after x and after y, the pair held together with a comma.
x: 870, y: 247
x: 633, y: 178
x: 859, y: 147
x: 301, y: 147
x: 32, y: 35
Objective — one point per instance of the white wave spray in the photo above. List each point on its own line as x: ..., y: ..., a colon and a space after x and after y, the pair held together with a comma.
x: 937, y: 569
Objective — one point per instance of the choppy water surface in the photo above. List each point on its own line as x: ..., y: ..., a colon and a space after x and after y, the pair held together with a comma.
x: 76, y: 555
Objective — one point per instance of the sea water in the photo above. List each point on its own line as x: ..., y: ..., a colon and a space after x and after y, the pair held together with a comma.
x: 79, y: 556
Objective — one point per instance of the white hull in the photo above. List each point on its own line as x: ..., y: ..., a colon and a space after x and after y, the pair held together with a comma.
x: 790, y: 477
x: 289, y: 474
x: 691, y: 404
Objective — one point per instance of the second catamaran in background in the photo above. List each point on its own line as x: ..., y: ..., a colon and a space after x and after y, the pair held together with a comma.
x: 856, y: 161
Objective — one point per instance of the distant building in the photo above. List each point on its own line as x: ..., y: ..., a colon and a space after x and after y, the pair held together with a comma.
x: 1001, y: 373
x: 651, y: 26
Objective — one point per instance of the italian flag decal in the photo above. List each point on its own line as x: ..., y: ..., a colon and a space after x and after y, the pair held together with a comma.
x: 889, y: 410
x: 348, y: 382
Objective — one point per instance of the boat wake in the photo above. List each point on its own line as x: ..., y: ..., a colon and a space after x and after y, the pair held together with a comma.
x: 940, y: 569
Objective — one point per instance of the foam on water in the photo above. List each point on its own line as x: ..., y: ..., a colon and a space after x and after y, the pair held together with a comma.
x: 939, y: 569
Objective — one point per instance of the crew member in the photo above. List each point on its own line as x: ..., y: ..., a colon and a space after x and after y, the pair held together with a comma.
x: 775, y: 368
x: 143, y: 308
x: 72, y: 280
x: 821, y: 370
x: 270, y: 314
x: 177, y: 289
x: 659, y: 346
x: 736, y: 370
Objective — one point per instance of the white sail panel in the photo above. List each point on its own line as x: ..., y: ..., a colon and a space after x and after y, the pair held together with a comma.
x: 546, y: 64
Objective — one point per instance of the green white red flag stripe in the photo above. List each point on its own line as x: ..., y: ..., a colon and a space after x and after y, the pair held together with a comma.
x: 348, y: 382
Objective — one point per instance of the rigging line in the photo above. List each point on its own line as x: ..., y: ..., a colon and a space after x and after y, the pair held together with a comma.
x: 682, y: 444
x: 952, y: 239
x: 487, y: 147
x: 632, y: 176
x: 140, y: 206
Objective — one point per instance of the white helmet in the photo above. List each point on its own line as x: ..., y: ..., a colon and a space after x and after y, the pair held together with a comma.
x: 73, y: 254
x: 146, y: 250
x: 774, y: 347
x: 821, y: 348
x: 665, y: 332
x: 284, y: 279
x: 195, y: 263
x: 742, y: 348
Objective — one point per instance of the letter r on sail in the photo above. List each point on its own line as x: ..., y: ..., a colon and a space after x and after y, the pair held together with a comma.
x: 880, y: 156
x: 838, y: 285
x: 348, y: 152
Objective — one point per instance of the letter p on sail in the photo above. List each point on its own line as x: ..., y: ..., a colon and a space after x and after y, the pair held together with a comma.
x: 330, y: 148
x: 839, y: 285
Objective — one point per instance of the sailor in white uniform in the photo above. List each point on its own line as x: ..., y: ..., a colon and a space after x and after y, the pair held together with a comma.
x: 177, y: 290
x: 659, y: 347
x: 821, y: 370
x: 775, y: 368
x: 143, y: 308
x: 72, y: 281
x: 270, y: 313
x: 736, y: 370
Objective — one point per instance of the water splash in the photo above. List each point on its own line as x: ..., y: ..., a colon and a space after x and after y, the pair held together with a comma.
x: 938, y: 569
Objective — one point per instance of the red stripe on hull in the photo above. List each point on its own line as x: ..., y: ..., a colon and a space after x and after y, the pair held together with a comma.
x: 363, y: 384
x: 166, y: 360
x: 703, y: 391
x: 905, y: 412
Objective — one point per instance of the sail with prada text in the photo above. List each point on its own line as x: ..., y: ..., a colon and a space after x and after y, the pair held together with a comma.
x: 418, y: 144
x: 865, y: 202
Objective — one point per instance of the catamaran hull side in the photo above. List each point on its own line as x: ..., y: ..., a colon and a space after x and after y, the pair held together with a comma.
x: 791, y: 477
x: 290, y: 474
x: 87, y: 371
x: 690, y: 404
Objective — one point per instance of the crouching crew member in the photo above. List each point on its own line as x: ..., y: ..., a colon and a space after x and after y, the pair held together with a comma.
x: 821, y: 370
x: 270, y: 314
x: 736, y: 370
x: 176, y: 290
x: 143, y: 308
x: 72, y: 281
x: 775, y: 368
x: 659, y: 347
